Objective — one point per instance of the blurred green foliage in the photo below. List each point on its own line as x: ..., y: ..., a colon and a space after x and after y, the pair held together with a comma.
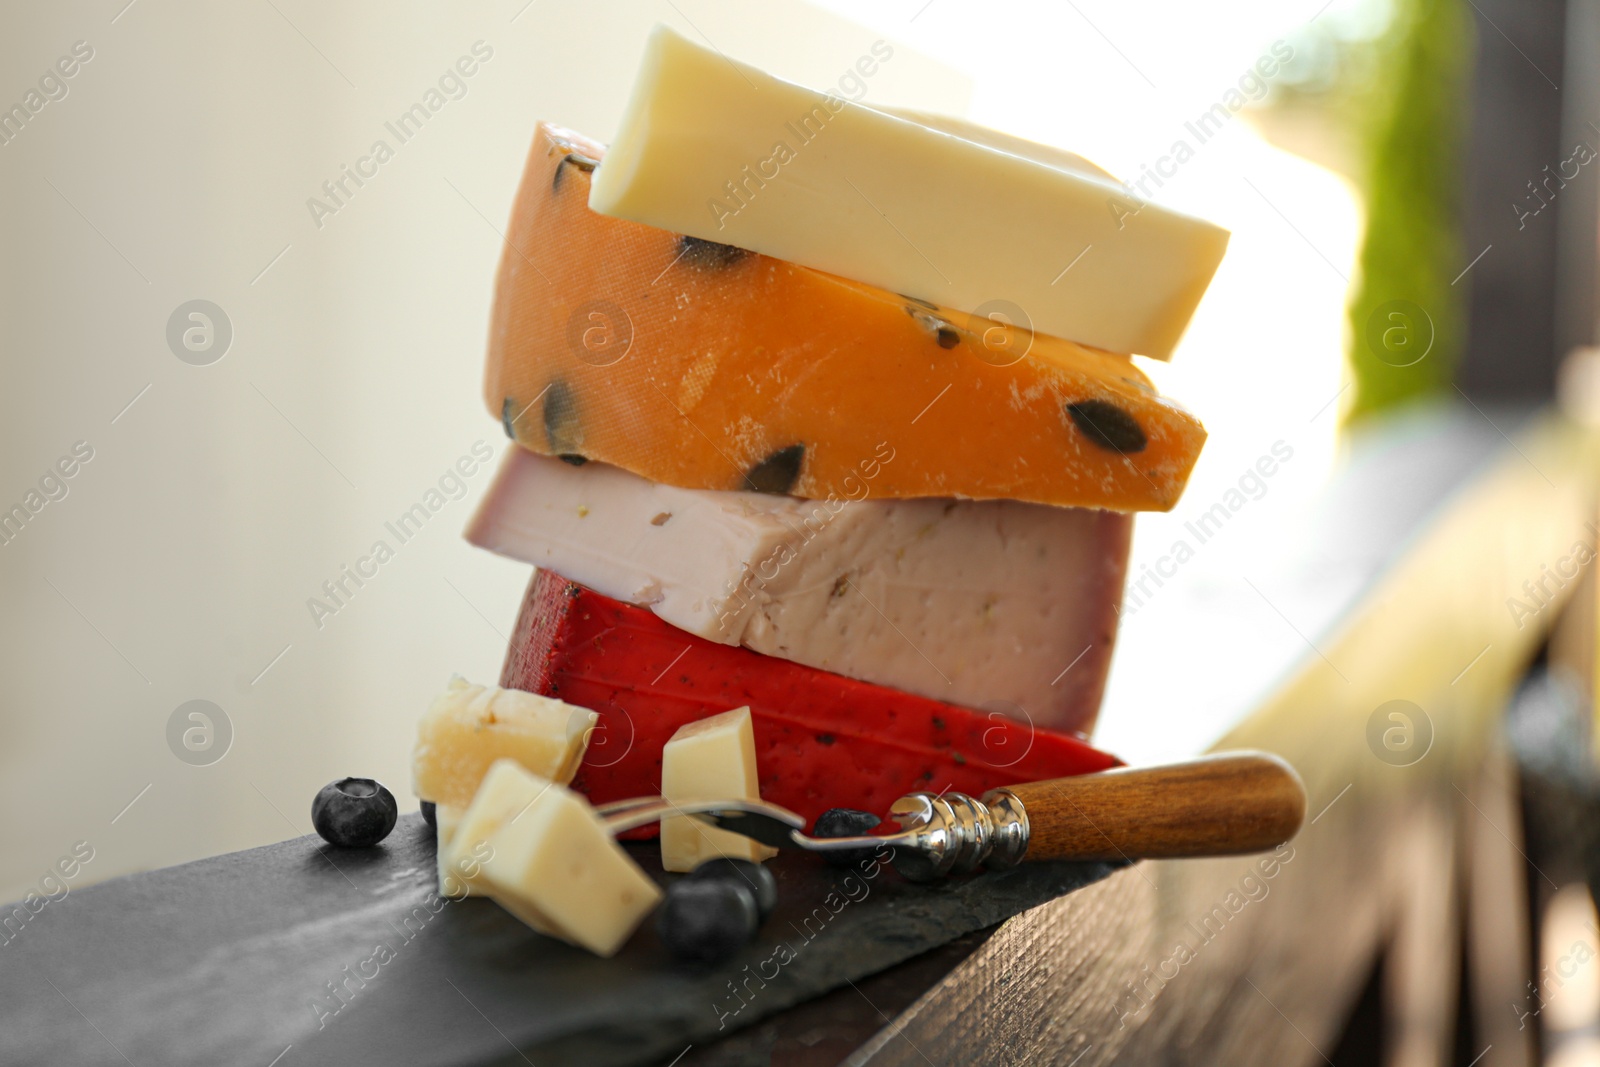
x: 1411, y: 138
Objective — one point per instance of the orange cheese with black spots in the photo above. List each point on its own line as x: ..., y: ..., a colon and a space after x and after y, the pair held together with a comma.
x: 704, y: 366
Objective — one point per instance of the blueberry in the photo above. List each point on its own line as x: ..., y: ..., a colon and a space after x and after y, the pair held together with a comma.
x: 846, y: 822
x: 707, y: 919
x: 427, y: 814
x: 354, y: 812
x: 753, y: 876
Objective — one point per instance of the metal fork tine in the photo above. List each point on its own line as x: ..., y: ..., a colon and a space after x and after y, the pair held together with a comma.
x: 623, y: 815
x: 759, y: 820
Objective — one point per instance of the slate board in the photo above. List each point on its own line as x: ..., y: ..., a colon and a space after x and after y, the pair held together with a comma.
x: 221, y: 961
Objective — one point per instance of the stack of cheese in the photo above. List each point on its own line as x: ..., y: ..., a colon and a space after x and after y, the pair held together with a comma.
x: 828, y: 411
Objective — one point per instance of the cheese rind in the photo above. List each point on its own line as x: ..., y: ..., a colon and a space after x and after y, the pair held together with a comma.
x: 469, y: 726
x: 554, y: 865
x: 720, y: 150
x: 971, y: 602
x: 711, y: 759
x: 702, y: 366
x: 822, y: 740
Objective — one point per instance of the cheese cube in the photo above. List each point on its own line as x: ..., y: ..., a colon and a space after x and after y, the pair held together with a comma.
x: 451, y: 882
x: 709, y: 760
x: 553, y: 863
x: 457, y: 871
x: 469, y: 726
x: 507, y: 792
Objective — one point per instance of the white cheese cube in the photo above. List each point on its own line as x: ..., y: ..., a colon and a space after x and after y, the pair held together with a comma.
x: 711, y: 759
x: 553, y: 864
x: 469, y: 726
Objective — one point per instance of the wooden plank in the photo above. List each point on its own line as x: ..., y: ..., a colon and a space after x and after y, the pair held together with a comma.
x: 824, y: 1031
x: 1499, y: 940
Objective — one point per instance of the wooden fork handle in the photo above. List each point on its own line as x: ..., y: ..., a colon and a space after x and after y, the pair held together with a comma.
x: 1226, y: 804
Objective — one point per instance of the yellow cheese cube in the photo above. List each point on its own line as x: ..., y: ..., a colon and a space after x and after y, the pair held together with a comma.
x: 555, y: 865
x: 507, y: 792
x: 457, y: 871
x: 710, y: 759
x: 445, y: 821
x: 468, y: 727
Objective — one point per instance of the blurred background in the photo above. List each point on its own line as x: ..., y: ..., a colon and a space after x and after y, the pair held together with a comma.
x: 224, y: 467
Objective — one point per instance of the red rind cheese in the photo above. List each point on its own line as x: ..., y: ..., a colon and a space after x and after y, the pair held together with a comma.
x: 822, y: 740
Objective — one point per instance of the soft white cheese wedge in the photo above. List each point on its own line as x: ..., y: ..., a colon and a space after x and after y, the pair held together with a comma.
x: 979, y: 603
x: 711, y: 759
x: 552, y: 863
x: 720, y: 150
x: 469, y: 726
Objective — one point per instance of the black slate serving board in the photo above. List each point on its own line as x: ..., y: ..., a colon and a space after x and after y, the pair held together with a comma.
x: 233, y: 960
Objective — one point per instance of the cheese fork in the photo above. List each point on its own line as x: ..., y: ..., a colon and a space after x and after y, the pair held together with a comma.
x: 1225, y: 804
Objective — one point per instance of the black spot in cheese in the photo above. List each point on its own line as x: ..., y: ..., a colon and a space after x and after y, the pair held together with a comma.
x: 943, y: 331
x: 575, y: 159
x: 778, y: 472
x: 562, y: 433
x: 1107, y: 425
x: 708, y: 255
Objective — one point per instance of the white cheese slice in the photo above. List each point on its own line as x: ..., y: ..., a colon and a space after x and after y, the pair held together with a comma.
x: 722, y: 151
x: 1059, y: 158
x: 469, y: 726
x: 552, y: 863
x: 711, y: 759
x: 978, y: 603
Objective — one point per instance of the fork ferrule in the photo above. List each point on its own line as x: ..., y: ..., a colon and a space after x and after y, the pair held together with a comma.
x: 953, y: 833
